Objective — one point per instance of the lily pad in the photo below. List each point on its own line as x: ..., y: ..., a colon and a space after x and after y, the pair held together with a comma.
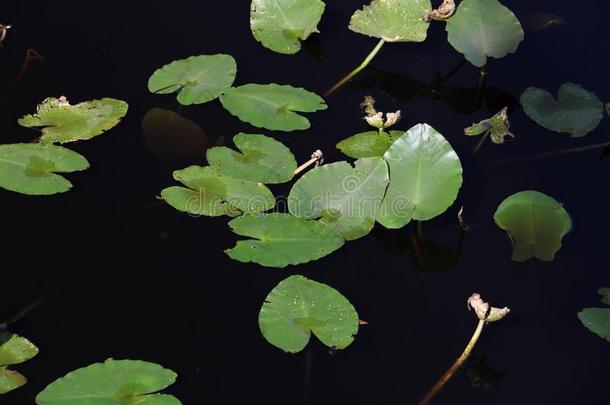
x: 282, y: 239
x: 209, y: 193
x: 535, y: 224
x: 497, y: 127
x: 197, y: 79
x: 272, y: 106
x: 298, y: 306
x: 346, y: 198
x: 597, y: 320
x: 62, y: 122
x: 114, y: 382
x: 262, y: 159
x: 368, y: 144
x: 482, y: 28
x: 15, y: 350
x: 280, y: 25
x: 576, y: 111
x: 30, y: 168
x: 393, y: 20
x: 425, y: 177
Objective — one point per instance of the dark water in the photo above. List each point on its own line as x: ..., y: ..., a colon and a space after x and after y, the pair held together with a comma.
x: 128, y: 277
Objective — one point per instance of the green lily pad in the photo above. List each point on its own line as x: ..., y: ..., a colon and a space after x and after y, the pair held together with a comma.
x: 262, y: 159
x: 15, y: 350
x: 497, y: 127
x: 368, y: 144
x: 482, y: 28
x: 425, y: 177
x: 197, y: 79
x: 535, y: 223
x: 597, y: 320
x: 393, y: 20
x: 114, y: 382
x: 576, y: 111
x: 346, y: 198
x: 298, y: 306
x: 282, y: 239
x: 209, y: 193
x: 280, y: 25
x: 29, y: 168
x: 272, y: 106
x: 62, y: 122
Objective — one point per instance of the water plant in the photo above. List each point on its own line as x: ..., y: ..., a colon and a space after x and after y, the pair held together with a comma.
x: 535, y: 223
x: 298, y: 307
x: 597, y: 320
x: 14, y: 349
x: 497, y: 128
x: 114, y: 382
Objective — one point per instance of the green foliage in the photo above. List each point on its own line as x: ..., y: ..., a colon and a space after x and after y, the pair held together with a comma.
x: 393, y: 20
x: 280, y: 25
x: 597, y: 320
x: 197, y: 79
x: 62, y: 122
x: 576, y: 111
x: 297, y: 307
x: 272, y: 106
x: 482, y: 28
x: 261, y: 159
x: 346, y: 198
x: 425, y: 177
x: 497, y: 127
x: 114, y: 382
x: 535, y: 223
x: 282, y: 239
x: 30, y: 168
x: 368, y: 144
x: 13, y: 350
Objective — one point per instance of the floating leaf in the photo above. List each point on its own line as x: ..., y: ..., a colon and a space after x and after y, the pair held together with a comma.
x: 482, y: 28
x: 212, y: 194
x: 197, y: 79
x: 297, y: 306
x: 535, y: 223
x: 29, y: 168
x: 279, y: 25
x: 497, y: 127
x: 393, y: 20
x: 597, y: 320
x: 171, y: 137
x: 62, y: 122
x: 282, y: 239
x: 346, y: 198
x: 15, y: 350
x: 576, y: 111
x: 114, y: 382
x: 425, y: 177
x: 368, y: 144
x: 272, y: 106
x: 262, y: 159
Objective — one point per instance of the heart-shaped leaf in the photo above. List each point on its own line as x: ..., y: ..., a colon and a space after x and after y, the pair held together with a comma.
x: 211, y: 194
x: 280, y: 24
x: 393, y: 20
x: 576, y: 111
x: 197, y: 79
x: 535, y: 223
x: 62, y: 122
x: 272, y: 106
x: 482, y: 28
x: 346, y: 198
x: 262, y: 159
x: 114, y: 382
x: 425, y: 177
x: 29, y: 168
x: 597, y: 320
x: 282, y: 239
x: 297, y: 307
x: 368, y: 144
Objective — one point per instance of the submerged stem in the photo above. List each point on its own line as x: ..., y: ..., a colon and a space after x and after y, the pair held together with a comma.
x: 353, y: 73
x: 458, y: 363
x: 481, y: 142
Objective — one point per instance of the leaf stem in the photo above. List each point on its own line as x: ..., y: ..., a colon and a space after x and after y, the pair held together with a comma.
x: 354, y: 72
x: 316, y: 158
x: 481, y: 142
x: 458, y: 363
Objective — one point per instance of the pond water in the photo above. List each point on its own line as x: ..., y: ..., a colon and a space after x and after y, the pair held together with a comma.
x: 126, y: 276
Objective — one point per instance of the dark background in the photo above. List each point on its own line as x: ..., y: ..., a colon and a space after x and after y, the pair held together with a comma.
x: 126, y: 276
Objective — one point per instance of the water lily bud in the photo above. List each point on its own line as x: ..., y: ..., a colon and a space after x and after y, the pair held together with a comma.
x: 484, y: 311
x: 375, y: 120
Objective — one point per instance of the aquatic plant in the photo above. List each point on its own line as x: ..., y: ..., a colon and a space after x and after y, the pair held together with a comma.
x: 497, y: 128
x: 597, y: 320
x: 13, y: 350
